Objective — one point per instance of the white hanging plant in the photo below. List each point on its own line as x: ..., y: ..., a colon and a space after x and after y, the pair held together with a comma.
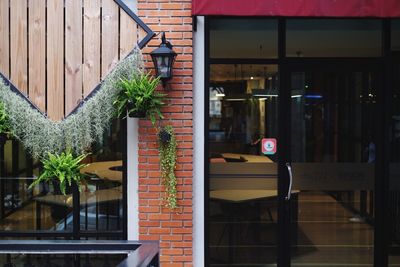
x: 77, y: 132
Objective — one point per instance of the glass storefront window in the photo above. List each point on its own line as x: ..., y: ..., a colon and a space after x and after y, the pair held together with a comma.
x: 243, y: 38
x: 45, y: 208
x: 333, y: 143
x: 394, y: 172
x: 243, y: 195
x: 333, y: 38
x: 396, y: 35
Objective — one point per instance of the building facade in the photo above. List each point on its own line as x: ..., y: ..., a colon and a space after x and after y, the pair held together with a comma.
x: 286, y: 116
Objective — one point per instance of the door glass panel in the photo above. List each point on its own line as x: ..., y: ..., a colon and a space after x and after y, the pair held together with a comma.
x: 333, y: 38
x: 19, y: 210
x: 396, y: 35
x: 243, y: 38
x: 394, y: 173
x: 243, y: 195
x: 101, y: 201
x: 45, y: 208
x: 333, y: 140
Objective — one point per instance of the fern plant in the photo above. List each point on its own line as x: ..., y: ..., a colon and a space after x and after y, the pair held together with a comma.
x: 167, y: 148
x: 138, y: 97
x: 64, y: 167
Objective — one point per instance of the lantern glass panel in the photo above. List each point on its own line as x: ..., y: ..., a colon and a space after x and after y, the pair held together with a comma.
x: 163, y: 66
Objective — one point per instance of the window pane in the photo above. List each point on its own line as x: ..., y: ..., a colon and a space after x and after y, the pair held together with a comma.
x: 101, y: 201
x: 242, y: 218
x: 396, y: 35
x: 393, y: 208
x: 333, y: 153
x: 333, y: 38
x: 243, y: 38
x: 23, y: 209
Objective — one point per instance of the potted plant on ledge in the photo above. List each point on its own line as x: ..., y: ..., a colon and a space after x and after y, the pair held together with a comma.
x: 138, y: 97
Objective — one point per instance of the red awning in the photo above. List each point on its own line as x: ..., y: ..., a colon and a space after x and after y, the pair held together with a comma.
x: 298, y: 8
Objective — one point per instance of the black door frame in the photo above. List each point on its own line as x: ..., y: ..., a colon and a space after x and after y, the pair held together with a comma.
x: 384, y: 66
x: 373, y: 65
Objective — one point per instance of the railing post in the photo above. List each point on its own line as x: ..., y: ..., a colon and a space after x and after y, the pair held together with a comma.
x: 76, y: 211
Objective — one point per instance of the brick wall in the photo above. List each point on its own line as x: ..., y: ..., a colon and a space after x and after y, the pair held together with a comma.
x: 173, y: 229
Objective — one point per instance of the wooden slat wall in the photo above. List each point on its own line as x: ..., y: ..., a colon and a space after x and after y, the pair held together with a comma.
x: 128, y: 34
x: 109, y: 52
x: 19, y: 44
x: 55, y: 62
x: 4, y: 35
x: 66, y: 62
x: 73, y: 53
x: 91, y: 53
x: 37, y: 55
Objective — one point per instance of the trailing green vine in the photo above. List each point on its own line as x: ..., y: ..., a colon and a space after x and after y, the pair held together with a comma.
x: 167, y: 148
x: 79, y: 131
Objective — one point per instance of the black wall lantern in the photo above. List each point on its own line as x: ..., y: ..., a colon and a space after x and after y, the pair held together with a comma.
x: 163, y: 58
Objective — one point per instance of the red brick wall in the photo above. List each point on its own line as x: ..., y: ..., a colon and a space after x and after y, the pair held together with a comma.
x: 173, y: 229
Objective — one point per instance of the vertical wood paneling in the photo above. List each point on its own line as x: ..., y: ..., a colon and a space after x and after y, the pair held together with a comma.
x: 73, y: 54
x: 128, y: 34
x: 4, y: 37
x: 109, y: 53
x: 141, y: 33
x: 55, y: 59
x: 91, y: 48
x: 19, y: 44
x: 37, y: 48
x: 71, y: 45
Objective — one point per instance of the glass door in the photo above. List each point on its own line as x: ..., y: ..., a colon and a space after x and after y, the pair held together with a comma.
x: 333, y: 137
x: 242, y: 183
x: 393, y: 223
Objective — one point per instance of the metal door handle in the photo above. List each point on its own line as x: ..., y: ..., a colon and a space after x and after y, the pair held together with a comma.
x: 289, y: 193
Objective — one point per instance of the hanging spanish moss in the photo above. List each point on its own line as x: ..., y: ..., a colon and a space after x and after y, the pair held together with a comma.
x: 77, y: 132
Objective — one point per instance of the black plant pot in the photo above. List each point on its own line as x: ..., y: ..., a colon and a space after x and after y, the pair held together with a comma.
x: 136, y: 114
x: 164, y: 136
x: 3, y: 139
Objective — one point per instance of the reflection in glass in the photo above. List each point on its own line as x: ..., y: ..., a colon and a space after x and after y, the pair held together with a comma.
x: 243, y: 194
x: 395, y: 35
x: 394, y: 172
x: 333, y: 157
x: 243, y: 38
x: 17, y: 206
x: 45, y: 207
x: 101, y: 201
x: 333, y: 38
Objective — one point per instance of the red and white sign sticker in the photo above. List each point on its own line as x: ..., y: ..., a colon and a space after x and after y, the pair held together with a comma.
x: 268, y: 146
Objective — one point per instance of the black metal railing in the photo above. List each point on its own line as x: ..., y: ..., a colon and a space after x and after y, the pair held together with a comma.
x: 77, y: 253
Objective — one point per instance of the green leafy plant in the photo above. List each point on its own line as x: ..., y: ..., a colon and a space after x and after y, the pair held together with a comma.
x: 138, y: 97
x: 4, y: 120
x: 167, y: 148
x: 64, y: 167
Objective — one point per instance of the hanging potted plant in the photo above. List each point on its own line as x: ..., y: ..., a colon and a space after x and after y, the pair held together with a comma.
x: 167, y: 148
x: 4, y: 125
x: 138, y: 97
x: 63, y: 169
